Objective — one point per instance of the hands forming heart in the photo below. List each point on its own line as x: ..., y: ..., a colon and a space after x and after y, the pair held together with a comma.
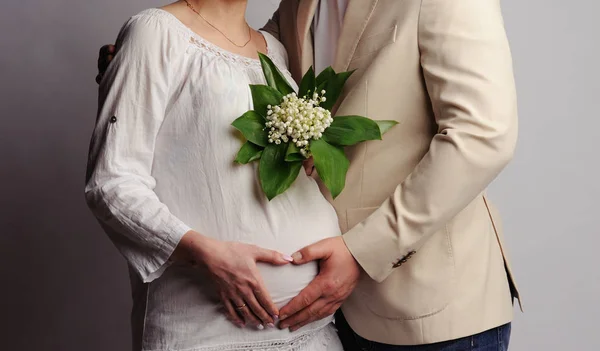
x: 338, y: 276
x: 247, y: 301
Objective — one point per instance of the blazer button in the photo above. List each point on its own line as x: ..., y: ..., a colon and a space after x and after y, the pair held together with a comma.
x: 400, y: 262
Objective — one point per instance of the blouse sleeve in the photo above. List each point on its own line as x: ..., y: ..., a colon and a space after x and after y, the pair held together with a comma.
x: 277, y: 50
x: 119, y: 184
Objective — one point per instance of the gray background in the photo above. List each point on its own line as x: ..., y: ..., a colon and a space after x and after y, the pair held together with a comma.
x: 64, y: 287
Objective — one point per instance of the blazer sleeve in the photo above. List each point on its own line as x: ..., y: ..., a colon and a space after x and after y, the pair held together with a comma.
x: 467, y: 67
x: 119, y: 186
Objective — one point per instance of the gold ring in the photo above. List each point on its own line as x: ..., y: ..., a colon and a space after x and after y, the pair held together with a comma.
x: 240, y: 307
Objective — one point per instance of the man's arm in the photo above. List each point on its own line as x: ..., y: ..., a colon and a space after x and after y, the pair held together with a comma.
x: 467, y: 67
x: 272, y: 26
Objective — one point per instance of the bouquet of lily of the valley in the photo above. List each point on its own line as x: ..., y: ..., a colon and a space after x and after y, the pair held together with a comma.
x: 285, y: 128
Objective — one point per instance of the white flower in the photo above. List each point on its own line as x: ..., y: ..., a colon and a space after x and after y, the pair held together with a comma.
x: 298, y: 120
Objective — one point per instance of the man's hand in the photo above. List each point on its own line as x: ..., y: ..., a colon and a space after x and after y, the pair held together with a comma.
x: 107, y: 53
x: 309, y: 167
x: 338, y: 275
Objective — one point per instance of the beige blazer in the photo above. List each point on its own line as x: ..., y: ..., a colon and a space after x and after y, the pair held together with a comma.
x: 414, y: 210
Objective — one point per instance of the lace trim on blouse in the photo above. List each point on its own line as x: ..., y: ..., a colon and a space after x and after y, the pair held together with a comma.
x: 323, y: 339
x: 214, y: 49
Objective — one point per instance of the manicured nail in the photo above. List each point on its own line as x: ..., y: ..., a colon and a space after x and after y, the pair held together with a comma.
x: 270, y: 325
x: 283, y: 317
x: 283, y: 326
x: 275, y: 317
x: 288, y: 258
x: 260, y: 327
x: 297, y: 256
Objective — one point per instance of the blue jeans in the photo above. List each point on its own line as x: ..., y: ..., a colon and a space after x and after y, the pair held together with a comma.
x: 492, y: 340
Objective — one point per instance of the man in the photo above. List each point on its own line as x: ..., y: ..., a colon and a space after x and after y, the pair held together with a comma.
x: 416, y: 222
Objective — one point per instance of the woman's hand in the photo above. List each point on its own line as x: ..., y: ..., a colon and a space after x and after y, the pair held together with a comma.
x: 232, y: 268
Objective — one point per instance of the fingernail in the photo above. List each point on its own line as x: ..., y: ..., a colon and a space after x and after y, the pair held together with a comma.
x: 297, y: 256
x: 270, y: 325
x: 283, y: 326
x: 283, y: 317
x: 260, y: 327
x: 288, y: 258
x: 275, y: 317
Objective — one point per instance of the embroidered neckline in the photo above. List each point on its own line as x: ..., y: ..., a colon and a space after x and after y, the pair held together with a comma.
x: 219, y: 52
x: 199, y: 41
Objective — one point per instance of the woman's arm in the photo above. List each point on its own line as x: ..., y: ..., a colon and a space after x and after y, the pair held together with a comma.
x: 119, y: 186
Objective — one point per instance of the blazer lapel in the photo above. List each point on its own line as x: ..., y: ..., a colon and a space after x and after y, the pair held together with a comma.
x: 357, y: 16
x: 306, y: 13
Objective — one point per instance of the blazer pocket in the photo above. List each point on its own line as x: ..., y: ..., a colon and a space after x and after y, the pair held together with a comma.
x: 372, y: 43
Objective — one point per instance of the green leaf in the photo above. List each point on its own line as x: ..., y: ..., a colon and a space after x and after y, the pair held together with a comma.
x: 324, y: 76
x: 333, y: 89
x: 262, y: 96
x: 293, y: 153
x: 273, y: 75
x: 277, y: 175
x: 252, y: 126
x: 351, y: 130
x: 331, y: 164
x: 308, y: 83
x: 248, y: 153
x: 384, y: 126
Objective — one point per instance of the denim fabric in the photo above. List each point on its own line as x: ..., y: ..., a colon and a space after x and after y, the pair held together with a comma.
x: 495, y: 339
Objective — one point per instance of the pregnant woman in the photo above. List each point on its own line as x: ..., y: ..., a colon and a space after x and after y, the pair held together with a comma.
x: 201, y: 239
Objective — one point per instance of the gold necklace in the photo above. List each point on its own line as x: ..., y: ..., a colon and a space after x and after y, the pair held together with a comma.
x: 218, y: 30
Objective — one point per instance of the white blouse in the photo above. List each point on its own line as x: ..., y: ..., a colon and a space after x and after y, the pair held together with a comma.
x: 161, y: 163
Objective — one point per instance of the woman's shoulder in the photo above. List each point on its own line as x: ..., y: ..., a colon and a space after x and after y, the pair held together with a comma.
x: 148, y: 27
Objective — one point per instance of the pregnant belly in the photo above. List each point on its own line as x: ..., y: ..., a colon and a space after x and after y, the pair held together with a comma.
x: 181, y: 290
x: 285, y: 282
